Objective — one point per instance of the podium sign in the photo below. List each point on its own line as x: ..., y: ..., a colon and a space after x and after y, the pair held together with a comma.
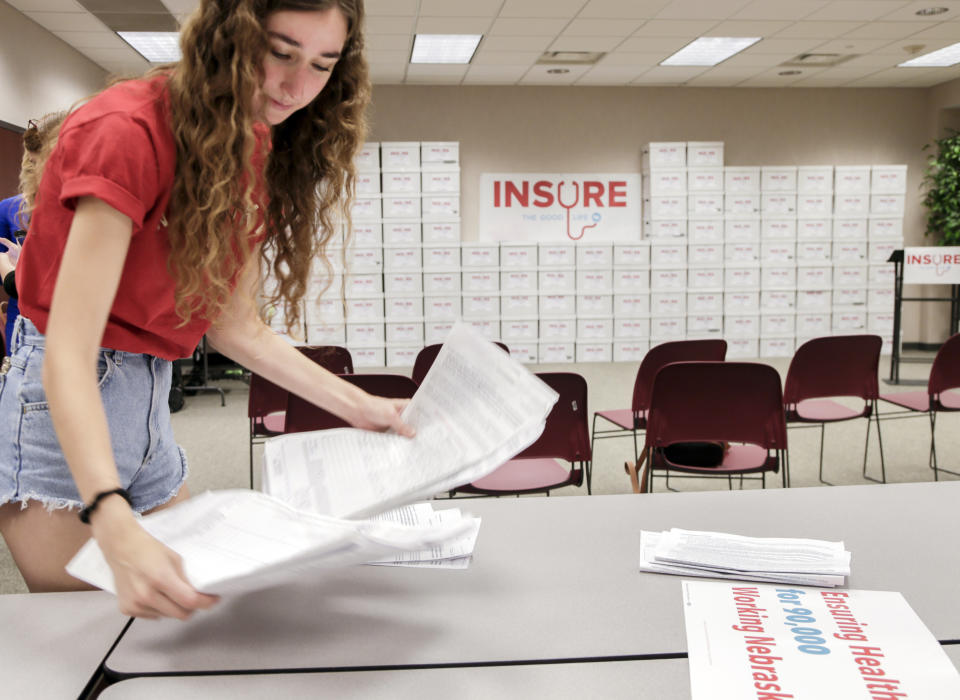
x: 931, y: 265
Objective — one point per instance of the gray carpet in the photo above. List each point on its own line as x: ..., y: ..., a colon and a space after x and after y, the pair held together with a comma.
x: 215, y: 439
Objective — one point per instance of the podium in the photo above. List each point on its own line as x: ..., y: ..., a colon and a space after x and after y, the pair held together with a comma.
x: 898, y: 259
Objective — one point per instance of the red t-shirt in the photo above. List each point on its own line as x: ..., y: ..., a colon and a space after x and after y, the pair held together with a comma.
x: 118, y: 148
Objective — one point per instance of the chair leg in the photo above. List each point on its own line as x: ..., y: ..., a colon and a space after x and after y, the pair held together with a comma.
x: 251, y: 454
x: 649, y: 463
x: 933, y: 445
x: 593, y: 437
x: 823, y: 428
x: 883, y: 466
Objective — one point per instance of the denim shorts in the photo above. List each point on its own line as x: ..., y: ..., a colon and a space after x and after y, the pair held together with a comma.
x: 133, y: 388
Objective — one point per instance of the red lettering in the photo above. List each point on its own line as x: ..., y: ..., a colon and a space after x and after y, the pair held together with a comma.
x: 496, y: 193
x: 544, y: 196
x: 522, y: 196
x: 617, y: 193
x: 592, y: 190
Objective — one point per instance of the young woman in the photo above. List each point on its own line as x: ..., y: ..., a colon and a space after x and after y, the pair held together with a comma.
x: 160, y: 204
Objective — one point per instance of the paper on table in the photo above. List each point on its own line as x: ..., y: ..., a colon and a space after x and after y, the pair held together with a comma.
x: 235, y: 541
x: 756, y: 554
x: 451, y: 554
x: 476, y: 408
x: 648, y: 545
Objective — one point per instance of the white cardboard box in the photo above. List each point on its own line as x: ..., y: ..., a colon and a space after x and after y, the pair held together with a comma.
x: 815, y: 229
x: 664, y: 154
x: 888, y: 179
x: 404, y: 332
x: 630, y: 350
x: 400, y: 155
x: 737, y: 180
x: 368, y: 157
x: 706, y: 230
x: 561, y: 328
x: 401, y: 232
x: 851, y: 179
x: 594, y: 351
x: 518, y: 256
x: 400, y: 183
x: 522, y: 306
x: 480, y: 281
x: 704, y: 154
x: 707, y: 303
x: 741, y: 230
x: 778, y: 300
x: 778, y: 178
x: 446, y: 231
x: 518, y: 280
x: 815, y: 179
x: 704, y: 180
x: 665, y: 229
x: 557, y: 351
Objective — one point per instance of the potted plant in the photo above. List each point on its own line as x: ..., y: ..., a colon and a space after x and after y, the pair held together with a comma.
x: 942, y: 178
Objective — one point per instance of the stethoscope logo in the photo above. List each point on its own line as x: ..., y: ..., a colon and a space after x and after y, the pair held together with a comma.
x: 576, y: 200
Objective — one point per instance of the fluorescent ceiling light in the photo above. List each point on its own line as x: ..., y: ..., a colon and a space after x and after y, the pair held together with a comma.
x: 444, y: 48
x: 710, y: 50
x: 156, y: 47
x: 947, y: 56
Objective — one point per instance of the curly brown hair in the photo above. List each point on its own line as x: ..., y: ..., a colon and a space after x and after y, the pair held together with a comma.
x: 38, y: 141
x: 309, y: 171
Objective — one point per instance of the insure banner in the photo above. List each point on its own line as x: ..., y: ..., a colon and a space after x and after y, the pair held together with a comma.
x: 931, y: 265
x: 773, y: 642
x: 560, y: 207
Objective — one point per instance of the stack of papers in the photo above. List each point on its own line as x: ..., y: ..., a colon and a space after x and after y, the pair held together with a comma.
x: 719, y: 555
x: 449, y: 554
x: 476, y: 408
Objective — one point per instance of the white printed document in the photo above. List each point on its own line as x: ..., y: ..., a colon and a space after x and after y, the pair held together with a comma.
x: 720, y: 555
x: 236, y: 541
x: 476, y: 408
x: 771, y: 642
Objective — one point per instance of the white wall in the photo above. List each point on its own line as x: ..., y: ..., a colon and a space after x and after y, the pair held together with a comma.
x: 39, y: 73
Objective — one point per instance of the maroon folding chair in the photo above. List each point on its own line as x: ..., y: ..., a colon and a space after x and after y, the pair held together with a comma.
x: 738, y: 405
x: 944, y: 376
x: 267, y: 402
x: 426, y: 357
x: 631, y: 420
x: 565, y: 437
x: 303, y: 415
x: 842, y: 365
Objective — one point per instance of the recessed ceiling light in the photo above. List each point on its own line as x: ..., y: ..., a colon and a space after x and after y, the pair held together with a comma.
x: 930, y: 11
x: 444, y: 48
x: 709, y: 50
x: 947, y: 56
x: 156, y: 47
x: 558, y: 71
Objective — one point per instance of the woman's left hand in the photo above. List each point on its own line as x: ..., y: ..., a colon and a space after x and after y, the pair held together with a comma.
x: 378, y: 413
x: 12, y: 250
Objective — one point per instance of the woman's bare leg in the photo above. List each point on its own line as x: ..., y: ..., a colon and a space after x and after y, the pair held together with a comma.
x: 42, y: 542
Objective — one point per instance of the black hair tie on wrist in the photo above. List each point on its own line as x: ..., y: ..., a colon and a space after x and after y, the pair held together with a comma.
x: 87, y: 511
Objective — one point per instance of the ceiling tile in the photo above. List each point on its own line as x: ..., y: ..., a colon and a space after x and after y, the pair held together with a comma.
x: 390, y: 42
x: 702, y: 9
x: 460, y: 8
x: 888, y: 30
x: 46, y: 5
x: 388, y: 57
x: 910, y: 47
x: 505, y: 58
x: 871, y: 61
x: 601, y: 27
x: 670, y: 74
x: 623, y: 9
x: 885, y: 78
x: 122, y: 53
x: 755, y: 60
x: 93, y: 40
x: 391, y: 8
x: 946, y: 30
x: 817, y: 30
x: 632, y: 58
x: 453, y: 25
x: 847, y: 45
x: 390, y: 25
x: 387, y: 75
x: 67, y: 21
x: 779, y: 9
x: 651, y: 44
x: 494, y: 75
x: 538, y: 75
x: 610, y: 75
x: 541, y: 8
x: 516, y: 43
x: 777, y: 45
x: 856, y: 10
x: 747, y: 28
x: 908, y: 13
x: 585, y: 43
x: 685, y: 28
x: 513, y: 26
x: 723, y: 76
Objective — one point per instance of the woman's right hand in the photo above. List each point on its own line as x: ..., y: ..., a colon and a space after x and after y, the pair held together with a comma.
x: 148, y: 576
x: 11, y: 250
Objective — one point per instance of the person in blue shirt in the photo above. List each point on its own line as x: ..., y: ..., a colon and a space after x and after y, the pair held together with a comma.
x: 38, y: 140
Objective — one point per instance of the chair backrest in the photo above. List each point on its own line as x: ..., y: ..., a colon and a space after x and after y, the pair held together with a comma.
x: 840, y: 365
x: 566, y: 435
x: 713, y: 350
x: 303, y: 415
x: 426, y: 357
x: 717, y: 401
x: 945, y: 373
x: 266, y: 397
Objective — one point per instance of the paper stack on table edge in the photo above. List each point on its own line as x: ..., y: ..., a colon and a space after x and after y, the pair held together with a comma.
x: 720, y: 555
